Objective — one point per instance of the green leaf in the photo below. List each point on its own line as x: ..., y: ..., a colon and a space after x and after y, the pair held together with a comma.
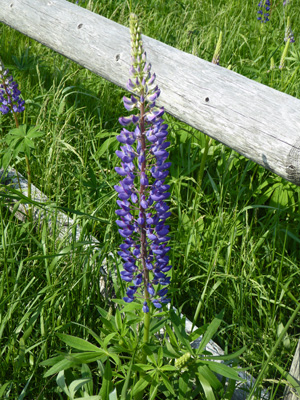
x: 209, y: 393
x: 141, y: 385
x: 61, y: 382
x: 87, y: 374
x: 6, y: 159
x: 96, y: 397
x: 76, y: 385
x: 142, y: 367
x: 3, y: 388
x: 34, y: 133
x: 108, y: 339
x: 210, y: 332
x: 179, y: 329
x: 106, y: 382
x: 169, y: 351
x: 183, y: 386
x: 118, y: 320
x: 210, y: 377
x: 29, y: 143
x: 105, y: 146
x: 75, y: 359
x: 168, y: 368
x: 223, y: 370
x: 78, y: 343
x: 113, y: 395
x: 166, y: 382
x: 226, y: 357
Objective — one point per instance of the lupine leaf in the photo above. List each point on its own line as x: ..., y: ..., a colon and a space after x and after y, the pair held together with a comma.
x: 223, y: 370
x: 106, y: 382
x: 76, y: 385
x: 167, y: 383
x: 209, y: 393
x: 61, y: 382
x: 210, y: 377
x: 141, y: 384
x: 210, y: 332
x: 180, y: 330
x: 78, y: 343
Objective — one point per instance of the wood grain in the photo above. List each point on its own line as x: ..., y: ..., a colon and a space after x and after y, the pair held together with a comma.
x: 258, y: 122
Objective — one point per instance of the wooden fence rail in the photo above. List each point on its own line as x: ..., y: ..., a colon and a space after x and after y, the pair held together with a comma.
x: 259, y: 122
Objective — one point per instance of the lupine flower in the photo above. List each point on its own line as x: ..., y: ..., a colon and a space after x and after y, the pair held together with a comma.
x: 142, y: 191
x: 9, y: 93
x: 286, y: 2
x: 264, y: 8
x: 288, y: 32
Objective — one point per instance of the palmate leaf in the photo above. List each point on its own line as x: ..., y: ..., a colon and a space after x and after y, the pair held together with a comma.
x: 21, y: 139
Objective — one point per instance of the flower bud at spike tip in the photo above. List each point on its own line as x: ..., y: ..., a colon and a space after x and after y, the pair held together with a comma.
x: 142, y: 191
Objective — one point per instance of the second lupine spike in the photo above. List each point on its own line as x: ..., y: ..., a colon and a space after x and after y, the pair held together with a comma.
x: 10, y: 100
x: 263, y: 10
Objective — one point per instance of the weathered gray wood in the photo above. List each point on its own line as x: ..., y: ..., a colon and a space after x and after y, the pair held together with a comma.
x: 255, y: 120
x: 289, y: 393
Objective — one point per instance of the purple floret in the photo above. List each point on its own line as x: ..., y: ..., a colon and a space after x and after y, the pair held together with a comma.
x: 10, y: 100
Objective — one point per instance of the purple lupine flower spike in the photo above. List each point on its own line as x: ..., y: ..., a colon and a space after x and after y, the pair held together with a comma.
x: 142, y: 191
x: 10, y: 100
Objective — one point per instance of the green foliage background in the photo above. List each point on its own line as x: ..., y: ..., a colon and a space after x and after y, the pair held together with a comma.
x: 235, y: 238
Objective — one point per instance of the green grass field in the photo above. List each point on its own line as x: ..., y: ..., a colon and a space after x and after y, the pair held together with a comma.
x: 235, y: 233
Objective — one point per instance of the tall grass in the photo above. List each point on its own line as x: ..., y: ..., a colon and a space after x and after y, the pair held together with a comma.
x: 235, y: 234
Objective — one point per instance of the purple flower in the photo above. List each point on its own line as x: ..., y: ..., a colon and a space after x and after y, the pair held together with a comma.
x: 10, y: 100
x: 263, y: 12
x: 142, y: 191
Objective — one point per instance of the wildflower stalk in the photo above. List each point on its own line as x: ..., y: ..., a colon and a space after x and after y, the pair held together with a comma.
x: 142, y: 191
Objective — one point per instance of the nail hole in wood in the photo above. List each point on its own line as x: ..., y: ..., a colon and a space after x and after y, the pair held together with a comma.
x: 207, y: 99
x: 79, y: 26
x: 117, y: 57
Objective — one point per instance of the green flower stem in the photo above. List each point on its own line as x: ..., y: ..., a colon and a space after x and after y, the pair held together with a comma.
x: 146, y: 331
x: 140, y: 395
x: 29, y: 186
